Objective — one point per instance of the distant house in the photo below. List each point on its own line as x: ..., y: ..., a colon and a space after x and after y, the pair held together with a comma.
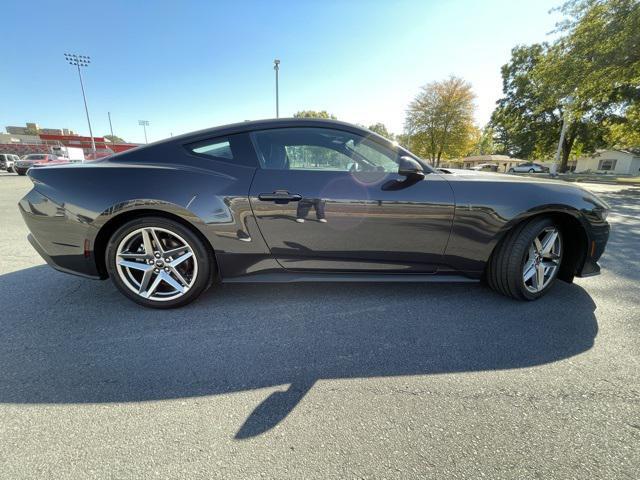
x: 504, y: 162
x: 621, y: 162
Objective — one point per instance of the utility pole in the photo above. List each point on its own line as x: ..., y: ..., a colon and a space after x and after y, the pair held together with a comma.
x: 110, y: 126
x: 563, y: 132
x: 565, y: 112
x: 276, y: 67
x: 82, y: 61
x: 145, y: 124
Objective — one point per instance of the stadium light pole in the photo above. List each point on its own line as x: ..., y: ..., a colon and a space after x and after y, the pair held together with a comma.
x: 145, y: 124
x: 82, y: 61
x: 110, y: 125
x: 276, y: 67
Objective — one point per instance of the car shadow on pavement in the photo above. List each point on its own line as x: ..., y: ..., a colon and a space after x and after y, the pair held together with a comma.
x: 68, y: 340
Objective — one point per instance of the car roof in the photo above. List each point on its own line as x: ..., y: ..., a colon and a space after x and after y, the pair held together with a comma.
x: 252, y: 125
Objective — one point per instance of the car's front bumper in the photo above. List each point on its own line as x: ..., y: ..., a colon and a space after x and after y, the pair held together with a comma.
x: 597, y: 241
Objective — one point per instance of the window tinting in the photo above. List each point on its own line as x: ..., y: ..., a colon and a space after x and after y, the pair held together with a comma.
x: 218, y: 149
x: 321, y: 149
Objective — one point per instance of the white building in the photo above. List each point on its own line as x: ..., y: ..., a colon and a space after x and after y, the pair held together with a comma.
x: 503, y: 162
x: 18, y: 138
x: 621, y: 162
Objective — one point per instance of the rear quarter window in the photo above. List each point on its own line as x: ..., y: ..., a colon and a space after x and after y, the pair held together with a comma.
x: 233, y: 149
x: 221, y: 149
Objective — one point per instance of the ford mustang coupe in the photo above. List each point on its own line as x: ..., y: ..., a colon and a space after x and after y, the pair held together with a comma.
x: 297, y: 200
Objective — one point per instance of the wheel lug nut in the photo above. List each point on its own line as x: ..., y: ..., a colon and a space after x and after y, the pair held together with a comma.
x: 166, y: 269
x: 157, y: 254
x: 157, y: 270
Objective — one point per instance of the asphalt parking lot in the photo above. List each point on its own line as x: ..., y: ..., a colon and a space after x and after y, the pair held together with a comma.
x: 320, y: 381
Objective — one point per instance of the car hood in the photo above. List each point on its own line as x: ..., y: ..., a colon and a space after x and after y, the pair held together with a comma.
x: 30, y: 161
x: 454, y: 175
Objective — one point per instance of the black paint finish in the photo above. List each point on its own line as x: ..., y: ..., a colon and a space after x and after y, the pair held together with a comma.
x: 360, y: 224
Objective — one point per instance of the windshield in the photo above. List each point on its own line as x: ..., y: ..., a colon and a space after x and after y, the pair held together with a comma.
x: 35, y: 157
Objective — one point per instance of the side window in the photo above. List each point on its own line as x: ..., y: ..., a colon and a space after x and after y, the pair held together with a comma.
x: 320, y: 149
x: 381, y: 158
x: 313, y: 157
x: 217, y: 149
x: 235, y: 149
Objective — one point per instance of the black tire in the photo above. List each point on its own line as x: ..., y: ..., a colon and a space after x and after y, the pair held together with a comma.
x: 531, y: 170
x: 504, y: 271
x: 205, y: 261
x: 21, y: 172
x: 511, y: 170
x: 10, y: 170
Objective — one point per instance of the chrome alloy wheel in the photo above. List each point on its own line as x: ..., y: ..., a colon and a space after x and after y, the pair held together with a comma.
x: 156, y: 264
x: 542, y: 260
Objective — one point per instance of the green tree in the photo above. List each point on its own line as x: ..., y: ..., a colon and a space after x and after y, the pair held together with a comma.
x: 484, y: 142
x: 314, y: 114
x: 528, y: 118
x: 589, y: 77
x: 598, y: 53
x: 626, y: 133
x: 599, y: 56
x: 525, y: 119
x: 440, y: 120
x: 381, y: 130
x: 404, y: 139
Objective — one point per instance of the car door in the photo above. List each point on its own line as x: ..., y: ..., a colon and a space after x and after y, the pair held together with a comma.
x: 332, y: 200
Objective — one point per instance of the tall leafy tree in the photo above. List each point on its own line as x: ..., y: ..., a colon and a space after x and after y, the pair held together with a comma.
x: 589, y: 77
x: 526, y: 120
x: 599, y: 52
x: 484, y: 142
x: 597, y: 62
x: 314, y: 114
x: 440, y: 120
x: 381, y: 130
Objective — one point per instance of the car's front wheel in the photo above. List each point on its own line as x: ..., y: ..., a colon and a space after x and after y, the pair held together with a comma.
x: 526, y: 262
x: 531, y: 170
x: 511, y: 170
x: 158, y: 262
x: 21, y: 172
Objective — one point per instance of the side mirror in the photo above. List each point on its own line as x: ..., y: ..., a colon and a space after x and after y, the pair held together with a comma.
x: 408, y: 167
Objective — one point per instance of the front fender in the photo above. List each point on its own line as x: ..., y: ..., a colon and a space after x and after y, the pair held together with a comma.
x: 487, y: 208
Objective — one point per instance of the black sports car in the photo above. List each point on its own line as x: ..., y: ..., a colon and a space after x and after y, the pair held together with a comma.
x: 304, y: 200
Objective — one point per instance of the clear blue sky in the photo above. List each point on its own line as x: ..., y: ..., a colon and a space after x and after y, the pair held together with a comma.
x: 189, y: 65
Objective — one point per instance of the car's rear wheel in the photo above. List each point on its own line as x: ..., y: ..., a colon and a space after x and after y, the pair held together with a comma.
x: 531, y: 170
x: 526, y: 263
x: 158, y: 262
x: 21, y: 172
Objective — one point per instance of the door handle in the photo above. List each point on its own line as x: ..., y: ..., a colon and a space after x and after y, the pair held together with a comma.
x: 280, y: 196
